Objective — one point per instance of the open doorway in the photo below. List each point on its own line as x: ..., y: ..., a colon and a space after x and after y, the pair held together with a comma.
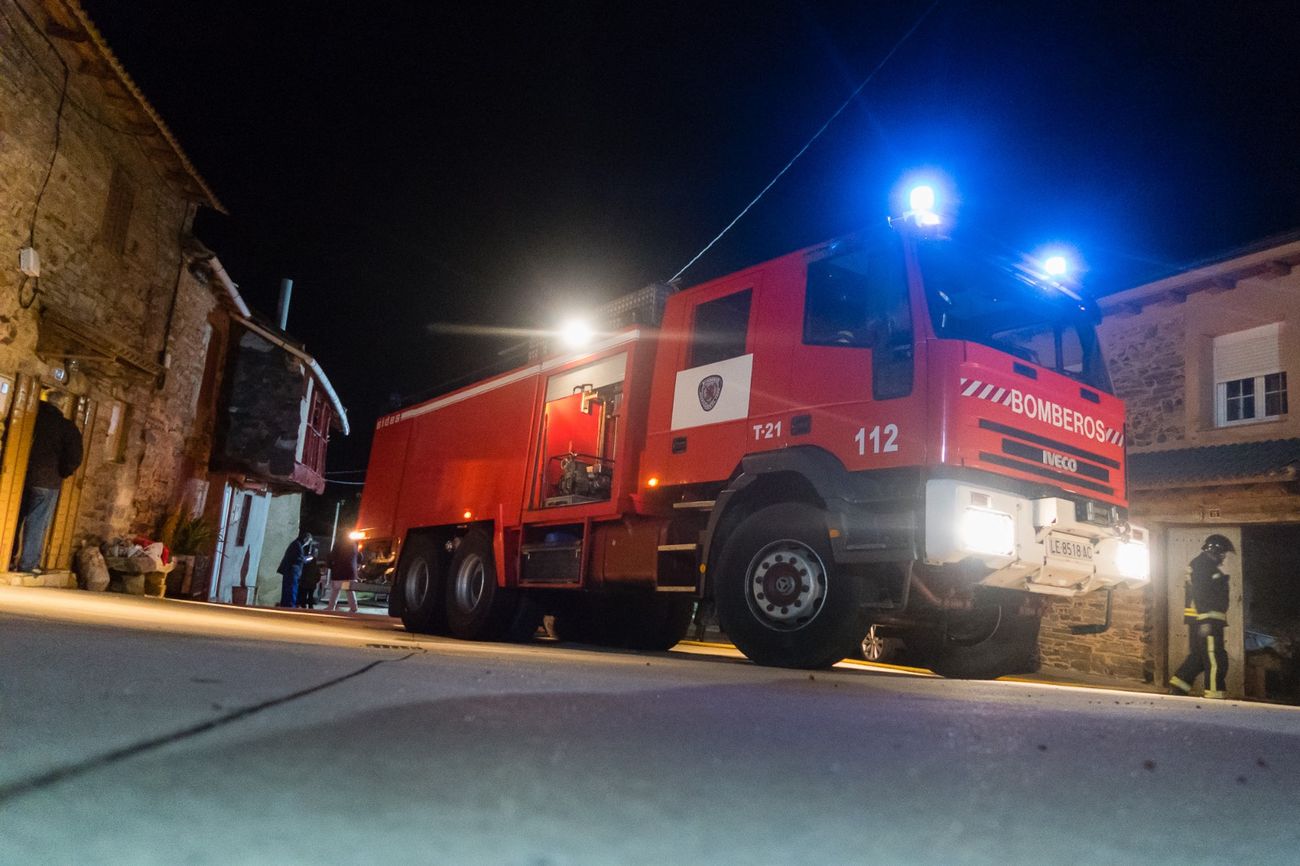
x: 1182, y: 544
x: 1272, y: 610
x: 42, y: 471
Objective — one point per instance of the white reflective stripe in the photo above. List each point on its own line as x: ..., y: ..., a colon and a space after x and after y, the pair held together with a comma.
x: 1213, y: 684
x: 984, y: 395
x: 974, y: 386
x: 997, y: 398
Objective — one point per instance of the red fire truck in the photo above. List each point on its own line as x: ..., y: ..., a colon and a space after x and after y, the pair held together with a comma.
x: 896, y: 427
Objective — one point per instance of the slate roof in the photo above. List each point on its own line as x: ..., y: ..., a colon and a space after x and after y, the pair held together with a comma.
x: 1271, y: 460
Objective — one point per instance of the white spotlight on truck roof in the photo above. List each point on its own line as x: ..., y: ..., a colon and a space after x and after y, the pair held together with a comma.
x: 1056, y: 265
x: 576, y: 333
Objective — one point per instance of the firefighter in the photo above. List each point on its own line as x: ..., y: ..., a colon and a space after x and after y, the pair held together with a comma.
x: 1206, y: 614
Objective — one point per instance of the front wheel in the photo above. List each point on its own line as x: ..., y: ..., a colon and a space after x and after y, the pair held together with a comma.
x: 780, y: 597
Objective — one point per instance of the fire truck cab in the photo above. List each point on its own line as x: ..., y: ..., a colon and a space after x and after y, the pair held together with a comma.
x: 893, y: 428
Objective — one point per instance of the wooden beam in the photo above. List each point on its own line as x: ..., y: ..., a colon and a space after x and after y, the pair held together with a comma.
x: 67, y: 34
x: 1173, y: 296
x: 95, y: 69
x: 1277, y: 269
x: 1218, y: 285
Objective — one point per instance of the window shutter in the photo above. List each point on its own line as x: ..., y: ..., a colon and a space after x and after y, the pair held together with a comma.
x: 1246, y: 354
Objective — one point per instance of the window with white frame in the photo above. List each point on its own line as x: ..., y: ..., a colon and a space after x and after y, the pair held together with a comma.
x: 1249, y: 382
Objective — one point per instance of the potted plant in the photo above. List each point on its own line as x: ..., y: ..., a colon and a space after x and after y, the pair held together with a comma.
x: 189, y: 542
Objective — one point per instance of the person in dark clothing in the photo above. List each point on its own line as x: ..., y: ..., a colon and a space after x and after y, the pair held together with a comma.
x: 310, y: 577
x: 1207, y: 615
x: 290, y: 568
x: 343, y: 571
x: 56, y: 454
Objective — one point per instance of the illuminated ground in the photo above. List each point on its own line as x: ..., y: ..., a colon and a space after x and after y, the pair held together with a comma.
x: 148, y: 731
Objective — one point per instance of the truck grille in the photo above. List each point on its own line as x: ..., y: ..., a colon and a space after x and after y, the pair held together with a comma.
x: 1048, y: 458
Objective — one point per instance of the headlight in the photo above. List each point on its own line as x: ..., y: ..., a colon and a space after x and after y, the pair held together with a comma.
x: 1133, y: 561
x: 990, y: 532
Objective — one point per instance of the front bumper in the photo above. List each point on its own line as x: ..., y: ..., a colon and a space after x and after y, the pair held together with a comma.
x: 1038, y: 545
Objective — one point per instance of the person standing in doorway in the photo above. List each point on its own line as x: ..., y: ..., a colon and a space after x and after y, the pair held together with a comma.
x: 290, y: 568
x: 1207, y: 614
x: 56, y: 454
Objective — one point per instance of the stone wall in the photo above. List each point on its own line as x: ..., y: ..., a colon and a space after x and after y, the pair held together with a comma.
x: 1145, y: 357
x: 1124, y: 652
x: 121, y: 284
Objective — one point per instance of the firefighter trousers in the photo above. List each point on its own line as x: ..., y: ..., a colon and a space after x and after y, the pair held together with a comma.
x: 1206, y: 654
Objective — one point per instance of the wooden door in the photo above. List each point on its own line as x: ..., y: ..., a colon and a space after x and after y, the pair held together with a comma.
x: 17, y: 445
x: 58, y: 549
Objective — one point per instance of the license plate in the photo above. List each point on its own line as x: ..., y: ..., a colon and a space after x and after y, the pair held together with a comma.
x: 1067, y: 547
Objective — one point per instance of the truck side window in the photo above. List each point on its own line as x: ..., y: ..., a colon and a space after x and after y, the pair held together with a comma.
x: 721, y: 326
x: 859, y: 300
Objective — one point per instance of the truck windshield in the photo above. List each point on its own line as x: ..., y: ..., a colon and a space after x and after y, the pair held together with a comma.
x: 996, y: 302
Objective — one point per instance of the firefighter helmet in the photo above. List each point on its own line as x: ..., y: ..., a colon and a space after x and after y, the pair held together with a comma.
x: 1217, y: 543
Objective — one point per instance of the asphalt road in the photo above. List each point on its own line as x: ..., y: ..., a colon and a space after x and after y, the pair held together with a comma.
x: 143, y: 731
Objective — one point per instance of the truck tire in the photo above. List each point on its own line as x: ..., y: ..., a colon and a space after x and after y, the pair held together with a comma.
x: 478, y: 609
x: 575, y: 622
x: 1008, y: 648
x: 780, y: 597
x: 421, y: 586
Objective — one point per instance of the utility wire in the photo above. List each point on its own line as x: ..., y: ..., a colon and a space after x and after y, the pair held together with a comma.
x: 816, y: 135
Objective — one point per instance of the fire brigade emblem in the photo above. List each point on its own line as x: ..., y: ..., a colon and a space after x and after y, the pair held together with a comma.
x: 710, y: 391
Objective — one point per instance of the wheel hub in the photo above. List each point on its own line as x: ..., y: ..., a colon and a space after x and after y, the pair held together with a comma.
x: 417, y: 583
x: 786, y: 585
x: 469, y: 582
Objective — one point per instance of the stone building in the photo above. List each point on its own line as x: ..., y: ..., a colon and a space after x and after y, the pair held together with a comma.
x: 1202, y: 359
x: 99, y: 196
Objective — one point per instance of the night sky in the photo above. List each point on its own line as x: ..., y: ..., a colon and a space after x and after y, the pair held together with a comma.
x: 410, y: 164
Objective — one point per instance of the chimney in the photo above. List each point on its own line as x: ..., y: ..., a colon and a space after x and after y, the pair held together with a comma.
x: 286, y: 291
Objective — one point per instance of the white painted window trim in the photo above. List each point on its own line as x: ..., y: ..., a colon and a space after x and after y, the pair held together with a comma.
x: 1248, y: 355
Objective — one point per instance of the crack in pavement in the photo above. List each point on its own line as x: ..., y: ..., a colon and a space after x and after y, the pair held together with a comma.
x: 14, y: 790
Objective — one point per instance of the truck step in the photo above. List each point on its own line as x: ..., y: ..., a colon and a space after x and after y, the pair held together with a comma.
x: 676, y: 568
x: 696, y: 505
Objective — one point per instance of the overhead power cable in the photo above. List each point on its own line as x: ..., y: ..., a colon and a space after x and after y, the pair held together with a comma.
x: 816, y: 135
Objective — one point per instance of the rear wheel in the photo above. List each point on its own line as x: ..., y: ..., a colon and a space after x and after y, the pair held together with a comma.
x: 780, y: 597
x: 421, y: 586
x: 478, y: 609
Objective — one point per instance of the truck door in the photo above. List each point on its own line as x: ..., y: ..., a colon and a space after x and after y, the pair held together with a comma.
x: 855, y: 360
x: 711, y: 392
